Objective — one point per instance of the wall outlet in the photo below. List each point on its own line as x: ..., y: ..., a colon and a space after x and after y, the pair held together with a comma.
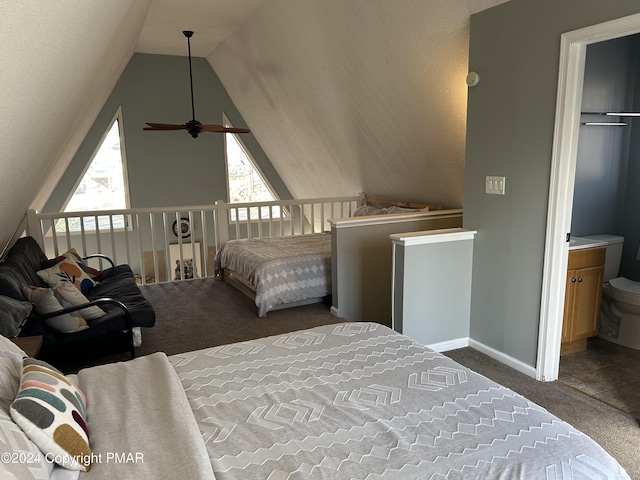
x: 494, y: 185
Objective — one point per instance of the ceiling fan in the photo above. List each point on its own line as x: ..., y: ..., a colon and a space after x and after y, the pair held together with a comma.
x: 193, y: 126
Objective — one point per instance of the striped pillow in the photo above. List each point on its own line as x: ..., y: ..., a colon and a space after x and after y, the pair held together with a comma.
x: 52, y: 412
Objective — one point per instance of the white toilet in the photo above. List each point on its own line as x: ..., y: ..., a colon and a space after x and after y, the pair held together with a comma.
x: 620, y: 306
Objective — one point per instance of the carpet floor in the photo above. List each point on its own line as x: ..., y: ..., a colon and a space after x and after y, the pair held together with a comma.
x: 617, y: 432
x: 201, y: 313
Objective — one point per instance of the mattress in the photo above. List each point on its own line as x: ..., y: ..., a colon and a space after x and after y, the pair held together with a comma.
x: 360, y: 401
x: 343, y: 401
x: 282, y: 269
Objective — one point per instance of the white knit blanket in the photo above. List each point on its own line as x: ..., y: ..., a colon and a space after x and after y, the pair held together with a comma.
x: 140, y: 423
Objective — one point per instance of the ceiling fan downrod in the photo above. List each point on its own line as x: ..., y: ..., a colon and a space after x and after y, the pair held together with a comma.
x: 189, y: 34
x: 193, y: 126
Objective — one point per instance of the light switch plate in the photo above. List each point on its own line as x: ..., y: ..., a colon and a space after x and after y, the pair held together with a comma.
x: 495, y: 185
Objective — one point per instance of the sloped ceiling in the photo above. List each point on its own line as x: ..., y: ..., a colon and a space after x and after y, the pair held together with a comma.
x: 359, y: 95
x: 343, y: 96
x: 60, y: 60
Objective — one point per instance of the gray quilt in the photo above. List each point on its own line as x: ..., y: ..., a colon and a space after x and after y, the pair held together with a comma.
x: 282, y: 269
x: 359, y: 401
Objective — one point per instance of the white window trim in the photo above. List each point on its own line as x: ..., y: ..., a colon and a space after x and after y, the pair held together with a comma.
x: 125, y: 171
x: 227, y: 123
x: 123, y: 154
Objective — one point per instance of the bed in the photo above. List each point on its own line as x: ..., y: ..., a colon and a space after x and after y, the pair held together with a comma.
x: 351, y: 400
x: 278, y: 271
x: 285, y: 271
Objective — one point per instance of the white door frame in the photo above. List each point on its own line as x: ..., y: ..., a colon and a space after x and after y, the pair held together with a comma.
x: 573, y: 49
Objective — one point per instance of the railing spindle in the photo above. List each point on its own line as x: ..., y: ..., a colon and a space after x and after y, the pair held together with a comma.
x: 143, y: 270
x: 114, y: 256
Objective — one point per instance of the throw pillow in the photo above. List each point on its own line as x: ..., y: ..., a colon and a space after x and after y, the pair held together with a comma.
x: 67, y: 270
x: 73, y: 254
x: 25, y: 460
x: 46, y: 301
x: 67, y: 292
x: 52, y: 412
x: 12, y: 315
x: 10, y: 366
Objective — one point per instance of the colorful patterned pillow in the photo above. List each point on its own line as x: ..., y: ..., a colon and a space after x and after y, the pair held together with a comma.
x: 52, y: 412
x: 45, y: 300
x: 67, y: 270
x: 70, y: 294
x: 12, y: 439
x: 74, y: 255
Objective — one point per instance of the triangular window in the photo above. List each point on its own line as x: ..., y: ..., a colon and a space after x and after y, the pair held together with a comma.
x: 245, y: 181
x: 103, y: 185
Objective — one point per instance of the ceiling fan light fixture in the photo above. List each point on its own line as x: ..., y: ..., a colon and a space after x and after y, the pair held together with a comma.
x: 193, y: 126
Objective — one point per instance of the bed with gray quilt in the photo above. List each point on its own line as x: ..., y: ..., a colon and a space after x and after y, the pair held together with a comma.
x: 360, y: 401
x: 279, y: 270
x: 342, y: 401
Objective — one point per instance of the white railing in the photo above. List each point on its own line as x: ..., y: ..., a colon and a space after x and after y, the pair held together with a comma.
x: 152, y: 241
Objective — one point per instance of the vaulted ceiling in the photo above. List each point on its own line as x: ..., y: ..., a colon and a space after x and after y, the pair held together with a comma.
x: 342, y: 95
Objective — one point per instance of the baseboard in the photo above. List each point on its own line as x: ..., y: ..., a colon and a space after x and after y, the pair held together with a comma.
x: 334, y: 311
x: 503, y: 358
x: 450, y: 344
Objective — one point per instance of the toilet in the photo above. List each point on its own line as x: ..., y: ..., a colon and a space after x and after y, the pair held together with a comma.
x: 620, y: 305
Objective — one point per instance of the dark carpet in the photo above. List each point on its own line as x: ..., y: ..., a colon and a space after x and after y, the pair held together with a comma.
x: 617, y: 432
x: 201, y: 313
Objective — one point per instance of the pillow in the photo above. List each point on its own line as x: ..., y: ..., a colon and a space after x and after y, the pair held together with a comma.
x: 75, y: 256
x: 45, y: 300
x: 12, y: 438
x: 366, y: 210
x: 394, y: 209
x: 10, y: 366
x: 70, y: 294
x: 52, y: 412
x: 12, y: 315
x: 23, y: 458
x: 67, y: 269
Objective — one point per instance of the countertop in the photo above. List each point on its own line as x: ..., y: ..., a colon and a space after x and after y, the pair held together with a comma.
x: 577, y: 243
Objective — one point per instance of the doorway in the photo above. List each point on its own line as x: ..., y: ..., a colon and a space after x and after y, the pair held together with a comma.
x: 573, y: 48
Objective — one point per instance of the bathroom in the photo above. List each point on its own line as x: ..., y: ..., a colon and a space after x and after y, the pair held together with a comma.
x: 607, y: 179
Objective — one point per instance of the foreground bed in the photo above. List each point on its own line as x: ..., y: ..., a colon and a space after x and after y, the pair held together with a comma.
x: 352, y: 401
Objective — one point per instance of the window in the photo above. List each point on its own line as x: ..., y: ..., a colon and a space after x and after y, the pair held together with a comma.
x: 246, y: 182
x: 103, y: 185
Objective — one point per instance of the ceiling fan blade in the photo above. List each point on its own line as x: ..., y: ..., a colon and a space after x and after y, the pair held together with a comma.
x: 221, y: 129
x: 164, y: 126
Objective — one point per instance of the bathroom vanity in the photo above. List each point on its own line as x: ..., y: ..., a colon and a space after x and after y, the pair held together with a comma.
x: 585, y: 270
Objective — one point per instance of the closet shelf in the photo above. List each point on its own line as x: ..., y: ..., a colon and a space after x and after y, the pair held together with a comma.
x: 610, y: 114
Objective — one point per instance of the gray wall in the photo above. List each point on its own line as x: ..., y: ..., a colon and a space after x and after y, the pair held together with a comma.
x: 361, y: 265
x: 515, y: 48
x: 631, y: 229
x: 432, y: 290
x: 168, y: 168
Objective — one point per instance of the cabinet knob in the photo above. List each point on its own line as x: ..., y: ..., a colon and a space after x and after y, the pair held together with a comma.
x: 573, y: 280
x: 580, y: 279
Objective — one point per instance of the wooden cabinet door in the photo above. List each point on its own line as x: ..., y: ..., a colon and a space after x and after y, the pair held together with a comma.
x: 586, y: 308
x: 569, y: 296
